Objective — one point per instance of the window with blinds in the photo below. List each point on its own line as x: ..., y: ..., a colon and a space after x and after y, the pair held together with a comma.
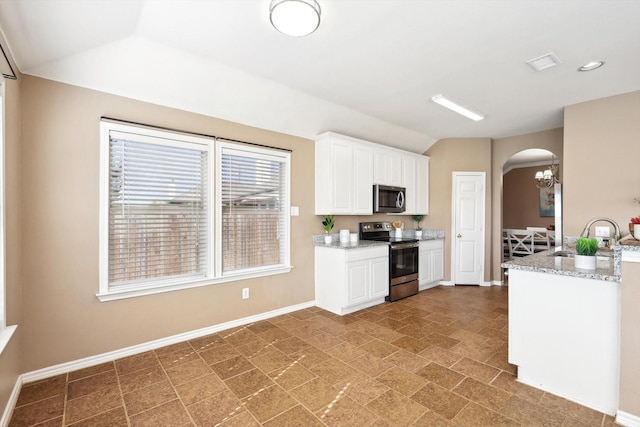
x: 254, y: 206
x: 158, y: 209
x: 162, y: 225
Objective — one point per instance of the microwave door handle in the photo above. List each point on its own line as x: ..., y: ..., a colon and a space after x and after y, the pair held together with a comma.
x: 400, y: 199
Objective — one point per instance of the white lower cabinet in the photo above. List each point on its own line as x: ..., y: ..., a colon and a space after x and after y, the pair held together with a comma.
x: 348, y: 280
x: 430, y: 263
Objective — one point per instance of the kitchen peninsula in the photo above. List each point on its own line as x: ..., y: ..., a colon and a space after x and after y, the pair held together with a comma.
x: 564, y: 325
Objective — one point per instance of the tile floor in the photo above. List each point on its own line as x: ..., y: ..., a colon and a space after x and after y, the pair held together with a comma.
x: 435, y: 359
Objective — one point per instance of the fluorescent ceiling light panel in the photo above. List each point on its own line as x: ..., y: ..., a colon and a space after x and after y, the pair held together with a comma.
x: 454, y: 106
x: 543, y: 62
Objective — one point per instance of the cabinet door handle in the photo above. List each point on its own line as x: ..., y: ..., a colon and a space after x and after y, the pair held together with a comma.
x: 459, y: 235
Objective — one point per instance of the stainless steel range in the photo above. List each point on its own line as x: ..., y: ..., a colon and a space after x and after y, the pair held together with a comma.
x: 403, y: 258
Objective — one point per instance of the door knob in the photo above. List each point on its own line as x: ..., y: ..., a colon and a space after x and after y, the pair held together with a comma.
x: 459, y: 235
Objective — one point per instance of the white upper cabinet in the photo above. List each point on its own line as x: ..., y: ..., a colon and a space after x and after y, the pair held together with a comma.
x: 387, y: 167
x: 409, y: 182
x: 346, y: 169
x: 343, y: 176
x: 422, y: 185
x: 362, y: 180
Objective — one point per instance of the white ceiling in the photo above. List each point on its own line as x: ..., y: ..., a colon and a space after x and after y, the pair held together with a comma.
x: 369, y: 71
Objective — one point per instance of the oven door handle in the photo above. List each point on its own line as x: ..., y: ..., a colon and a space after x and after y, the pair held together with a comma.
x: 404, y: 245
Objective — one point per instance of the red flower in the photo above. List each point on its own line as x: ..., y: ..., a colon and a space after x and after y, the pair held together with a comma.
x: 635, y: 220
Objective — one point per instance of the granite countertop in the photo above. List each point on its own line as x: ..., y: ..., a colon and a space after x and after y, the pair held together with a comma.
x: 318, y: 240
x: 608, y: 265
x: 337, y: 244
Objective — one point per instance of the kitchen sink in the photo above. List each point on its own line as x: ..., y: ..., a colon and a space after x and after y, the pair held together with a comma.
x: 565, y: 254
x: 600, y: 255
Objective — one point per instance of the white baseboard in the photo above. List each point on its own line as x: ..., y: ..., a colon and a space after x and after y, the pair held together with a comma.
x: 627, y: 420
x: 13, y: 399
x: 493, y: 283
x: 425, y: 286
x: 86, y: 362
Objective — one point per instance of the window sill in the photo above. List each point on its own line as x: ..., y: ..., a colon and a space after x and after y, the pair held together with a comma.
x: 5, y: 336
x: 138, y: 292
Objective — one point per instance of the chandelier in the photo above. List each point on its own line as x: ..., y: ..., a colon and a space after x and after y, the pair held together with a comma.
x: 548, y: 177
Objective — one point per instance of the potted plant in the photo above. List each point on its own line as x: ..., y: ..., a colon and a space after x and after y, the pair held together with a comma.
x: 418, y: 219
x: 586, y: 248
x: 328, y: 222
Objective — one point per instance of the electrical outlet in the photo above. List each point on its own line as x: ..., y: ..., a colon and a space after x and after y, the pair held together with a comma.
x: 245, y: 293
x: 603, y: 231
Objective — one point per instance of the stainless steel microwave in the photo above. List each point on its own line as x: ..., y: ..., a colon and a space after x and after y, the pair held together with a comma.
x: 388, y: 199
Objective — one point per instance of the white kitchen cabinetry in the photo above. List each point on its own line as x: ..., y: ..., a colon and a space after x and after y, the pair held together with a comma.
x: 348, y: 280
x: 409, y: 182
x: 403, y: 169
x: 430, y: 263
x: 346, y: 169
x: 567, y: 344
x: 422, y: 185
x: 343, y: 176
x: 387, y: 167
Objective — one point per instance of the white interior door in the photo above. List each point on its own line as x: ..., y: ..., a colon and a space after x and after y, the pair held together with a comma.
x: 467, y: 248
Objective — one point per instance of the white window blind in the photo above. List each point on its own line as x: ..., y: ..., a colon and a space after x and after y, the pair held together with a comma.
x: 179, y: 211
x: 158, y: 213
x: 254, y: 204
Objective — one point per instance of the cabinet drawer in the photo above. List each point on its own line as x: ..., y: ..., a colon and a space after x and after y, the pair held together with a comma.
x: 368, y: 253
x: 426, y: 245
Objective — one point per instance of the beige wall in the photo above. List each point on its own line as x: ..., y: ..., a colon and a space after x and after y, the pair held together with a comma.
x: 602, y: 148
x: 456, y: 155
x: 10, y: 359
x: 502, y: 150
x: 602, y: 177
x: 63, y: 320
x: 521, y: 199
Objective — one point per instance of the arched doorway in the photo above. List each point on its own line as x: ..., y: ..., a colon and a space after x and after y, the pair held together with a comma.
x: 524, y: 203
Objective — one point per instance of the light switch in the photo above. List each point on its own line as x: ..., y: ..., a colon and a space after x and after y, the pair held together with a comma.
x: 295, y: 211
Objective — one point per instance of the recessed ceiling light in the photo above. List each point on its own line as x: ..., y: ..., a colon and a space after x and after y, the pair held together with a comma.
x: 454, y: 106
x: 591, y: 66
x: 543, y: 62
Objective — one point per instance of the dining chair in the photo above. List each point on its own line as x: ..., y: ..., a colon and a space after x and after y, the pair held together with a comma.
x: 520, y: 242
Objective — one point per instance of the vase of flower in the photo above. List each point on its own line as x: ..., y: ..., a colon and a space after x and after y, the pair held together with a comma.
x: 634, y: 227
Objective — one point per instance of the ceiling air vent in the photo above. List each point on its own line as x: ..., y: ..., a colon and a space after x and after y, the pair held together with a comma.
x: 543, y: 62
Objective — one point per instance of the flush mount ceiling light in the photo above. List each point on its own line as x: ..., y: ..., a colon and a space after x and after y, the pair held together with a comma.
x: 591, y: 66
x: 295, y: 18
x: 454, y: 106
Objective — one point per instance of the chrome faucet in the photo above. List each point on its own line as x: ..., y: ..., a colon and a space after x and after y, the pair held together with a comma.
x: 616, y: 233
